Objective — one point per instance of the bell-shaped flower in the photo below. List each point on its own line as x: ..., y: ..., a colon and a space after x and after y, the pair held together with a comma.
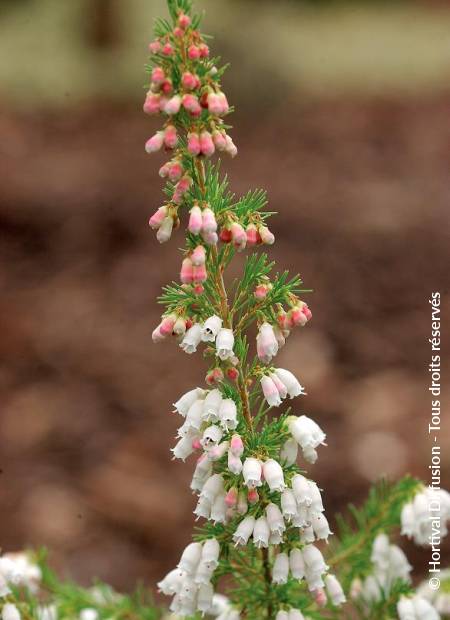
x: 275, y: 518
x: 334, y: 590
x: 205, y: 597
x: 225, y: 343
x: 184, y: 403
x: 282, y: 390
x: 275, y: 538
x: 288, y: 504
x: 301, y: 489
x: 165, y: 230
x: 193, y: 420
x: 270, y: 391
x: 192, y: 339
x: 306, y: 432
x: 219, y: 508
x: 273, y: 474
x: 405, y: 609
x: 280, y: 570
x: 203, y: 508
x: 190, y: 558
x: 183, y: 448
x: 266, y: 343
x: 252, y: 472
x: 10, y: 612
x: 211, y: 437
x: 212, y: 405
x: 297, y: 564
x: 313, y: 558
x: 237, y: 445
x: 234, y: 463
x: 289, y: 452
x: 171, y: 583
x: 424, y: 609
x: 211, y: 551
x: 213, y: 486
x: 244, y: 530
x: 320, y: 526
x: 228, y: 414
x: 307, y: 535
x: 291, y: 383
x: 261, y: 533
x: 211, y: 328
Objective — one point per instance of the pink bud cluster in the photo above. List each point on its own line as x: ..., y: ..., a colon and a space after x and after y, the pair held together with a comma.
x: 299, y: 314
x: 171, y: 325
x: 234, y: 232
x: 202, y: 221
x: 193, y: 269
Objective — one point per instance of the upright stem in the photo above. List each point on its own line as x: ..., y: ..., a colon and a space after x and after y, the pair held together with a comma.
x: 268, y: 579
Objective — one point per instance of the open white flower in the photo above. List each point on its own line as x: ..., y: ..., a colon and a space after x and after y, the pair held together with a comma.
x: 225, y: 343
x: 211, y: 328
x: 192, y: 339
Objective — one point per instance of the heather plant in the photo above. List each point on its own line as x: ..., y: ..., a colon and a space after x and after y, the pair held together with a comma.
x: 259, y: 550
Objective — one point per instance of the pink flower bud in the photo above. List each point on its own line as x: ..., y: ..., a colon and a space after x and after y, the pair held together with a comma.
x: 204, y: 50
x: 282, y: 319
x: 157, y: 218
x: 198, y: 256
x: 175, y: 171
x: 184, y: 21
x: 231, y: 497
x: 193, y: 52
x: 151, y: 103
x: 206, y: 144
x: 170, y: 137
x: 167, y: 49
x: 193, y: 145
x: 166, y: 87
x: 187, y: 273
x: 219, y: 140
x: 195, y: 220
x: 307, y: 312
x: 237, y: 445
x: 231, y: 147
x: 166, y: 326
x: 199, y: 273
x: 266, y: 236
x: 214, y: 104
x: 238, y: 235
x: 157, y: 336
x: 253, y: 237
x: 320, y: 597
x: 181, y: 188
x: 173, y: 105
x: 252, y: 496
x: 158, y: 75
x: 154, y: 47
x: 209, y: 223
x: 165, y: 230
x: 214, y: 376
x: 189, y: 81
x: 178, y: 32
x: 297, y: 317
x: 261, y: 291
x: 232, y: 374
x: 155, y: 142
x: 198, y: 288
x: 224, y: 103
x: 191, y: 104
x: 225, y: 234
x: 210, y: 238
x: 164, y: 170
x: 179, y: 329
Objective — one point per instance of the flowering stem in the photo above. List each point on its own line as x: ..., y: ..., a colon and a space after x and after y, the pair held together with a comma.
x: 268, y: 580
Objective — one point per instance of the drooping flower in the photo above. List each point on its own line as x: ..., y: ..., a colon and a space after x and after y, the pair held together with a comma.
x: 228, y: 414
x: 280, y: 570
x: 225, y: 343
x: 291, y: 383
x: 334, y: 589
x: 244, y: 531
x: 266, y: 343
x: 211, y: 328
x: 273, y: 475
x: 261, y: 533
x: 252, y: 472
x: 270, y: 391
x: 192, y: 339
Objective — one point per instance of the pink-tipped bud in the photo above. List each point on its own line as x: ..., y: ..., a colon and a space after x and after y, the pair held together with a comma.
x: 151, y: 103
x: 167, y: 324
x: 253, y: 237
x: 180, y: 189
x: 231, y: 147
x: 195, y: 220
x: 155, y: 47
x: 170, y: 137
x: 173, y: 105
x: 155, y: 143
x: 219, y: 140
x: 231, y: 497
x: 157, y: 336
x: 157, y: 218
x: 237, y: 445
x: 209, y: 223
x: 210, y: 238
x: 283, y: 319
x: 225, y: 234
x: 198, y: 288
x: 191, y: 104
x: 238, y: 235
x: 207, y: 144
x: 307, y: 312
x: 214, y: 104
x: 267, y: 237
x: 158, y: 75
x: 175, y: 171
x: 252, y: 496
x: 224, y: 103
x: 261, y: 291
x: 166, y: 87
x: 232, y: 374
x: 167, y: 49
x: 164, y: 170
x: 179, y: 329
x: 193, y: 145
x: 199, y: 273
x: 320, y: 597
x: 204, y: 50
x: 189, y: 81
x: 198, y: 256
x: 297, y: 317
x: 187, y: 271
x: 214, y: 376
x: 193, y: 52
x: 165, y: 230
x: 184, y: 21
x: 178, y: 32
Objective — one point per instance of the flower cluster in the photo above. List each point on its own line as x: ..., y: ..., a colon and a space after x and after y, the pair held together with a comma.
x: 426, y: 516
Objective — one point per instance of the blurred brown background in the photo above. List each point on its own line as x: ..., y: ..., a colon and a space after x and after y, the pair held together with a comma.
x: 343, y: 116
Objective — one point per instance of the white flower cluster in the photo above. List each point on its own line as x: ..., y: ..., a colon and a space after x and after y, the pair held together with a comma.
x: 279, y: 384
x: 425, y: 518
x: 389, y: 565
x: 190, y: 583
x: 207, y: 417
x: 440, y: 599
x: 307, y: 435
x: 19, y: 570
x: 210, y: 331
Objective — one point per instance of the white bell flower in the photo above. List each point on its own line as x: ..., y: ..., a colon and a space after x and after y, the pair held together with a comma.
x: 228, y: 414
x: 225, y: 344
x: 219, y: 509
x: 313, y: 558
x: 234, y: 463
x: 252, y: 472
x: 301, y: 489
x: 334, y: 590
x: 211, y: 437
x: 280, y: 570
x: 320, y: 526
x: 211, y: 406
x: 183, y: 448
x: 261, y: 533
x: 213, y: 486
x: 171, y: 583
x: 275, y: 519
x: 190, y: 558
x: 296, y: 614
x: 289, y: 452
x: 10, y: 612
x: 306, y: 432
x: 282, y: 615
x: 205, y: 597
x: 244, y: 530
x: 273, y: 475
x: 289, y: 380
x: 270, y: 391
x: 192, y: 339
x: 297, y: 564
x: 211, y: 551
x: 288, y: 504
x: 307, y: 535
x: 211, y: 328
x: 275, y: 538
x: 203, y: 508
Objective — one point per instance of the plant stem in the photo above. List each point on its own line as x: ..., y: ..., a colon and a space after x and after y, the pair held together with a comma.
x: 268, y: 579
